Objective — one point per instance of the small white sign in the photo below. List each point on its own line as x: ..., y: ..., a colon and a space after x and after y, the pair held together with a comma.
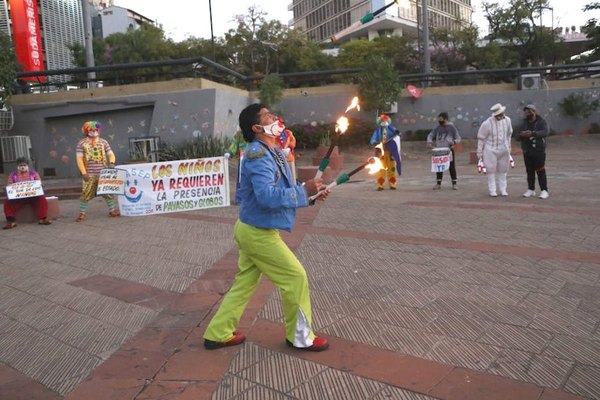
x: 22, y: 190
x: 111, y: 181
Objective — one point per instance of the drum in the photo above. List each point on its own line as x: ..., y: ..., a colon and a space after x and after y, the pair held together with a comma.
x: 440, y: 159
x: 440, y: 151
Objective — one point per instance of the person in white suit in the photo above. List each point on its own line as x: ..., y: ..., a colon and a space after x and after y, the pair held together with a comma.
x: 493, y: 147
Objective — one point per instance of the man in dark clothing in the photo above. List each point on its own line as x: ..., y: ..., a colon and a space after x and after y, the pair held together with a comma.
x: 532, y: 134
x: 444, y: 135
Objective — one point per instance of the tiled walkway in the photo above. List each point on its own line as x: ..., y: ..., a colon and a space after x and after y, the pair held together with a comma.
x: 424, y: 295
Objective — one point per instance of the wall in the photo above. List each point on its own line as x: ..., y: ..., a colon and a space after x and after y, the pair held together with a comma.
x: 468, y: 106
x: 180, y: 110
x: 54, y: 122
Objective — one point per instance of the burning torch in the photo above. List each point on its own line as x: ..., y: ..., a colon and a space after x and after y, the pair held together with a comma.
x: 341, y: 126
x: 373, y: 164
x: 367, y: 18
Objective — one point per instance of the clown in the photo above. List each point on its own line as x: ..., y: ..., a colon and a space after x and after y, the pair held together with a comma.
x: 384, y: 135
x: 93, y: 155
x: 236, y: 149
x: 493, y: 148
x: 287, y: 143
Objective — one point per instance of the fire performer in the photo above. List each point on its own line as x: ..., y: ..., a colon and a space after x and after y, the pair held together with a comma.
x: 93, y: 154
x: 389, y: 138
x: 269, y: 201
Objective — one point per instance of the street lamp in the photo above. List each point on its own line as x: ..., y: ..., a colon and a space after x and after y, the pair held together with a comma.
x: 425, y: 27
x: 212, y: 36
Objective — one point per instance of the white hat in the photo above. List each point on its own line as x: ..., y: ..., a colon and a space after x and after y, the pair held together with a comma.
x: 497, y: 109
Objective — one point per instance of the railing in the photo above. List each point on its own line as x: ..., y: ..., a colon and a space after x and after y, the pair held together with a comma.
x: 120, y: 74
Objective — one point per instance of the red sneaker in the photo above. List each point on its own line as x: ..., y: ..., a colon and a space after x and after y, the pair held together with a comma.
x: 319, y: 344
x: 237, y: 338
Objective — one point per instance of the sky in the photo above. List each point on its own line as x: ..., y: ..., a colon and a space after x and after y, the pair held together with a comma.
x: 179, y: 20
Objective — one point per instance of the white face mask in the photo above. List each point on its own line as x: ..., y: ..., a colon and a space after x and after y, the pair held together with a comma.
x: 94, y: 134
x: 23, y: 168
x: 385, y: 124
x: 274, y: 129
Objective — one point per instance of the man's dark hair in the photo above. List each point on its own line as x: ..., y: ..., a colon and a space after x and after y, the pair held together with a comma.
x: 443, y: 115
x: 22, y: 160
x: 248, y: 118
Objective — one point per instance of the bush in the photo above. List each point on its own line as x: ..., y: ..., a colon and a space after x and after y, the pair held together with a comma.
x: 578, y: 105
x: 201, y: 147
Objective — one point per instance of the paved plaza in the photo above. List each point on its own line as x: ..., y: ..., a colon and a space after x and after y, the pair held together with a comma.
x: 423, y: 294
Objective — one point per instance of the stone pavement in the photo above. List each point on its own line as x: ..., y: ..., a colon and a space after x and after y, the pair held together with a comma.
x: 424, y: 295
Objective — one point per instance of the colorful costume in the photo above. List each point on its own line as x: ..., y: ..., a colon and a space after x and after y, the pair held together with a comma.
x: 269, y: 197
x: 93, y: 154
x: 493, y: 147
x: 11, y: 207
x: 387, y: 135
x: 287, y: 143
x: 237, y: 148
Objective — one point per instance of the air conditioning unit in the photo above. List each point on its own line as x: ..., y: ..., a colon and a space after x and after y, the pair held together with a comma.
x: 14, y: 147
x: 530, y: 82
x: 392, y: 110
x: 144, y: 149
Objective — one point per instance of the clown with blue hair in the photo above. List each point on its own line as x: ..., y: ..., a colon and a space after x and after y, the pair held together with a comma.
x: 388, y: 138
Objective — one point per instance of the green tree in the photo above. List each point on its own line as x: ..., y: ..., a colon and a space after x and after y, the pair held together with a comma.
x: 516, y: 28
x: 379, y: 85
x: 592, y: 30
x: 271, y: 90
x: 8, y: 69
x: 355, y: 53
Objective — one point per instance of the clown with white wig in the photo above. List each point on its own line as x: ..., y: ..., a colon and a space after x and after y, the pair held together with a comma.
x: 93, y: 154
x: 493, y: 148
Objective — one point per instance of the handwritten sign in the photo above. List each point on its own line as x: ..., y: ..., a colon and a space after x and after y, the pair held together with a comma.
x: 175, y: 186
x: 440, y: 159
x: 22, y: 190
x: 111, y: 181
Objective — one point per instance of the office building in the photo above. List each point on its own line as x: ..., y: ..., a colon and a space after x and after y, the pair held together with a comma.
x: 323, y: 19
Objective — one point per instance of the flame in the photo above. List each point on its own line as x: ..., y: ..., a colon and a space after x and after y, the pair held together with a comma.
x: 403, y: 3
x: 341, y: 125
x: 353, y: 104
x: 380, y: 147
x: 375, y: 165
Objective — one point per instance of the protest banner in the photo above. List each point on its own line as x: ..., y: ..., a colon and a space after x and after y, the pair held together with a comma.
x: 22, y: 190
x: 174, y: 186
x: 111, y: 181
x: 440, y: 159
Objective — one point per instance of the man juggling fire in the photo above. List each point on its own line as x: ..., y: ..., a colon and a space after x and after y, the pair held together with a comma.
x: 386, y: 139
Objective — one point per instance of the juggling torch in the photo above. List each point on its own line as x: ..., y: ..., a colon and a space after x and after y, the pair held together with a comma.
x: 367, y: 18
x: 373, y: 164
x: 341, y: 126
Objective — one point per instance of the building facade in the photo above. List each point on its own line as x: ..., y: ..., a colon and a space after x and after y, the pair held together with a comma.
x: 114, y: 19
x: 323, y: 19
x: 60, y: 24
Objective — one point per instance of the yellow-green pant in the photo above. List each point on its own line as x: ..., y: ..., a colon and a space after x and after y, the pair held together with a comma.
x: 263, y: 251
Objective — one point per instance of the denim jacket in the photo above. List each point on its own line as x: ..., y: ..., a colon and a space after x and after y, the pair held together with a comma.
x: 268, y: 197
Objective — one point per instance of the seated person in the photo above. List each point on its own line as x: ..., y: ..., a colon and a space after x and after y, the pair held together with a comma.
x: 11, y: 207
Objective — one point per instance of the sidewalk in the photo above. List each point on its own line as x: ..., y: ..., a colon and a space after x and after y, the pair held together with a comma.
x: 424, y: 295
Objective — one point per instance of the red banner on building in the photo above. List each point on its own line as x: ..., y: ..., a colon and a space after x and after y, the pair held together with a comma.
x: 26, y: 33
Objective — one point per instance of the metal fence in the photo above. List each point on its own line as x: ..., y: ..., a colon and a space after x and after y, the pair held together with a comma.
x: 153, y: 71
